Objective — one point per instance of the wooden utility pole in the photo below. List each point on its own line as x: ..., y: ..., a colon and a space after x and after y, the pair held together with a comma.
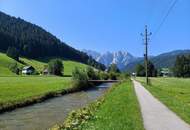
x: 146, y: 40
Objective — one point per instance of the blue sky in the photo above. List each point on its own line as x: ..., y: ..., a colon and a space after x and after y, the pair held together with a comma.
x: 108, y: 25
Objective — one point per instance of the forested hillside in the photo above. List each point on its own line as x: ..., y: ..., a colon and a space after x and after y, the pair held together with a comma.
x: 165, y: 60
x: 34, y: 42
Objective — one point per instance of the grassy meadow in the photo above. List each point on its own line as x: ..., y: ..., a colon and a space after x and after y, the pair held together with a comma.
x: 19, y: 89
x: 173, y: 92
x: 5, y: 61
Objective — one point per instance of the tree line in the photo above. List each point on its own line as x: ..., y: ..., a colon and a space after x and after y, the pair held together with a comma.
x: 152, y: 71
x: 181, y: 68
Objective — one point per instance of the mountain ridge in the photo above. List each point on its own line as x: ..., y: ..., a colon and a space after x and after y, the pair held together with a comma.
x: 163, y: 60
x: 120, y: 58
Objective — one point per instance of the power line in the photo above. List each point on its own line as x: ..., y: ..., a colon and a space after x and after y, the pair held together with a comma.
x: 165, y: 17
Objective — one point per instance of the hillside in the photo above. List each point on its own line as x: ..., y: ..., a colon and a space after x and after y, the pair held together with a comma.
x: 34, y: 42
x: 165, y: 60
x: 37, y: 64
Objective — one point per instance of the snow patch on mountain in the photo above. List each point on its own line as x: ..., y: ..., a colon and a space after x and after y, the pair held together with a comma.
x: 120, y: 58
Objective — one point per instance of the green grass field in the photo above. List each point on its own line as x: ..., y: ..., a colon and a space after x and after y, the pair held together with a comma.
x: 173, y: 92
x: 70, y: 65
x: 19, y: 89
x: 4, y: 65
x: 120, y: 111
x: 15, y: 89
x: 5, y: 61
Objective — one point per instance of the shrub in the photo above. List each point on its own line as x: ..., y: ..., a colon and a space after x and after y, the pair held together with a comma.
x: 55, y: 67
x: 124, y: 76
x: 113, y: 76
x: 14, y: 68
x: 80, y: 79
x: 104, y: 76
x: 92, y: 75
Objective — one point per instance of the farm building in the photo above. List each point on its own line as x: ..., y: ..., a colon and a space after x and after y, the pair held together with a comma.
x: 45, y: 71
x: 28, y: 70
x: 165, y: 72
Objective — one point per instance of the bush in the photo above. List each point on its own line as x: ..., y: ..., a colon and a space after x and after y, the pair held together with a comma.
x: 12, y: 52
x: 14, y: 68
x: 35, y: 73
x: 113, y: 76
x: 92, y: 75
x: 104, y: 76
x: 80, y: 79
x: 124, y: 76
x: 56, y: 67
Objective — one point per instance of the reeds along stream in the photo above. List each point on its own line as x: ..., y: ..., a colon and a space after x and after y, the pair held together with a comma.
x: 46, y: 114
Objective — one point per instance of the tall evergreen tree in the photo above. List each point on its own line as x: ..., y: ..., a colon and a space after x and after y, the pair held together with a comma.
x: 12, y: 52
x: 182, y: 66
x: 140, y: 70
x: 152, y: 71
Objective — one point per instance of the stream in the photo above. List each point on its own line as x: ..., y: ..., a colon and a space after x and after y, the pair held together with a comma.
x: 44, y: 115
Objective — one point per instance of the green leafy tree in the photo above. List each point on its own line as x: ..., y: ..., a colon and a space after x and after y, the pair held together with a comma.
x: 56, y: 67
x: 113, y: 68
x: 92, y: 75
x: 113, y: 76
x: 140, y: 70
x: 12, y: 52
x: 104, y: 76
x: 152, y: 71
x: 80, y: 78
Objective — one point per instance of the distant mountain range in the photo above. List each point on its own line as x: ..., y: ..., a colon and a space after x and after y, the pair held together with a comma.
x: 127, y: 62
x: 120, y: 58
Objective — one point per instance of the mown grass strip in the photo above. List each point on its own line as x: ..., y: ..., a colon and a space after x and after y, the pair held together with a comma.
x: 173, y: 92
x: 118, y: 109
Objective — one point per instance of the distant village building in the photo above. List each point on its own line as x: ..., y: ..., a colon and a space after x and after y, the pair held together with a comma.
x: 45, y: 71
x: 165, y: 72
x: 134, y: 74
x: 28, y: 70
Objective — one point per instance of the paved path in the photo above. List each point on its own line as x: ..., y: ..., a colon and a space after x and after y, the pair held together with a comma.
x: 157, y: 116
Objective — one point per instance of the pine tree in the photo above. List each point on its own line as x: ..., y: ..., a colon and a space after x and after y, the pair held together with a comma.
x: 12, y: 52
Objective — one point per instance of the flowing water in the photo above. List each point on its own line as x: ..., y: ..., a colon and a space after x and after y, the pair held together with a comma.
x: 44, y: 115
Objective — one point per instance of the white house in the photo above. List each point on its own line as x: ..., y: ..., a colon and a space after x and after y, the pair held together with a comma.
x: 28, y: 70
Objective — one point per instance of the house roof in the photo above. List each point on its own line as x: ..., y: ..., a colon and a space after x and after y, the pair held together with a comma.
x: 27, y: 67
x: 45, y: 70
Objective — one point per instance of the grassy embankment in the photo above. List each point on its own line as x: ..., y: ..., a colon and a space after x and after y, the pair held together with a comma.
x: 173, y: 92
x: 118, y: 109
x: 22, y: 91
